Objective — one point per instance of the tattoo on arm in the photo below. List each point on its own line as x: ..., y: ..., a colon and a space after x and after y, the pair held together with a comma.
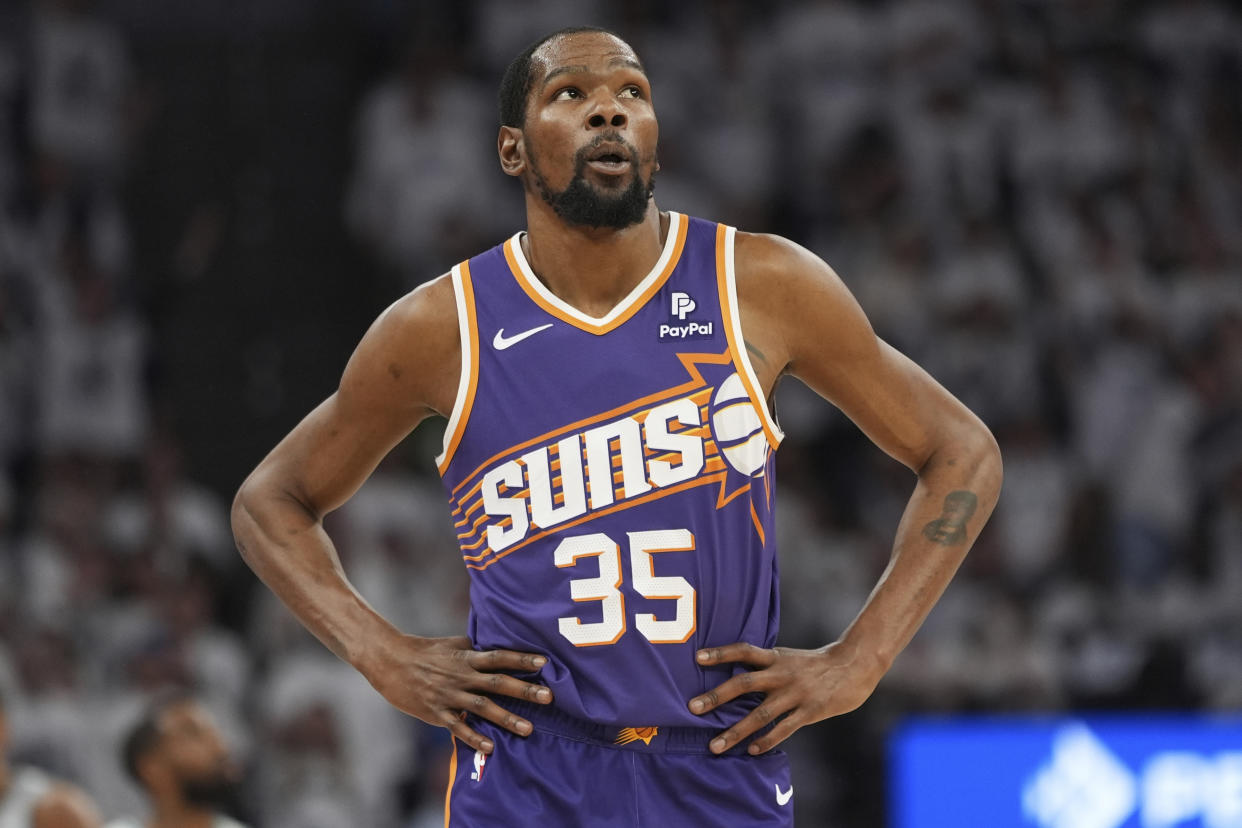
x: 755, y: 352
x: 950, y: 528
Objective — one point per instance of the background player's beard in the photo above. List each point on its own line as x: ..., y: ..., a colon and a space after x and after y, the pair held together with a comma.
x: 213, y: 792
x: 582, y: 204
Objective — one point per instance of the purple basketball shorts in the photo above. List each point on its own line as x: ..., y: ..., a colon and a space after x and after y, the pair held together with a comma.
x: 573, y: 774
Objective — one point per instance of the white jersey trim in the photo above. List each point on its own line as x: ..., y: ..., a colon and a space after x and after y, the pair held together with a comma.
x: 743, y: 358
x: 533, y: 283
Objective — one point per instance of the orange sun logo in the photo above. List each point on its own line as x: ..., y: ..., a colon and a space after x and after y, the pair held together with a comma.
x: 633, y: 734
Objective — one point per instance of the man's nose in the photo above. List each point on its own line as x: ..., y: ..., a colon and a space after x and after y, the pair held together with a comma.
x: 610, y: 114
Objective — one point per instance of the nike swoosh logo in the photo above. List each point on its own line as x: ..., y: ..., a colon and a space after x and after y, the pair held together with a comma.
x: 501, y: 341
x: 783, y: 798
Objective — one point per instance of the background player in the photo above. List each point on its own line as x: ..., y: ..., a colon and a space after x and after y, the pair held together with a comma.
x: 30, y: 798
x: 177, y: 756
x: 583, y: 142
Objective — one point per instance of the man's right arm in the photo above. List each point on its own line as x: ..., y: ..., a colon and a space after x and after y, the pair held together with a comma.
x: 405, y: 369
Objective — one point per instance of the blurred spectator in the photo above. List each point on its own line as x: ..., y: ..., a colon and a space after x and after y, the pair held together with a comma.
x: 91, y: 389
x: 80, y: 82
x: 179, y: 758
x: 28, y: 796
x: 424, y: 191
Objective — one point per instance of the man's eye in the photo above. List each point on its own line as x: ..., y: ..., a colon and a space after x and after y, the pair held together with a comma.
x: 632, y: 92
x: 568, y: 94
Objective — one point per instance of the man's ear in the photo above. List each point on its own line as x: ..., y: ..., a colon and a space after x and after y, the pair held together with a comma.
x: 510, y: 147
x: 152, y: 771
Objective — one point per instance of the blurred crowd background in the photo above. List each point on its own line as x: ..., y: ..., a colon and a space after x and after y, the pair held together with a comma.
x: 205, y: 204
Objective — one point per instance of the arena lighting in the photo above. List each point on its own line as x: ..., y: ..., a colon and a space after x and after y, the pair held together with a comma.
x: 1160, y: 771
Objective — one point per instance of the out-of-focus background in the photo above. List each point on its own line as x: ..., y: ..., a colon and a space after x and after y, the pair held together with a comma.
x: 205, y: 204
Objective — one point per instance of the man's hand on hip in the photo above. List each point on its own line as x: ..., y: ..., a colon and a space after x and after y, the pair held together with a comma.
x: 800, y: 687
x: 439, y: 680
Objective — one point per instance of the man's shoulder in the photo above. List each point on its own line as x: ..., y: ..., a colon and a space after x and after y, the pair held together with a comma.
x: 421, y: 317
x: 770, y: 252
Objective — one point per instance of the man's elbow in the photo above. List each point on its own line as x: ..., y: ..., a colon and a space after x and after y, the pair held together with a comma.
x: 970, y: 446
x: 986, y: 453
x: 245, y: 517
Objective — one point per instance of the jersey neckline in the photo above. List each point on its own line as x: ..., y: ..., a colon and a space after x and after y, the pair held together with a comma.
x: 539, y: 293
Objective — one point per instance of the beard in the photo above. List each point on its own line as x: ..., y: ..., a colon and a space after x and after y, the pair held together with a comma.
x: 211, y: 792
x: 582, y: 204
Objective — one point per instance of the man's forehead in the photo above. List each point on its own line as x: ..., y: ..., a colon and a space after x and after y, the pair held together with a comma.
x: 177, y: 716
x: 584, y: 49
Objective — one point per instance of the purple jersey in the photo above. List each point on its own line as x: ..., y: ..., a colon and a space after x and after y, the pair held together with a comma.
x: 611, y: 480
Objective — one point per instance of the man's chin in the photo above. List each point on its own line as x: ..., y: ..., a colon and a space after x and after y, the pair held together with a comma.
x: 588, y: 203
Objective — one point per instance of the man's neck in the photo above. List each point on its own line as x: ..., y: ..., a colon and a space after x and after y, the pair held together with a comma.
x: 592, y: 269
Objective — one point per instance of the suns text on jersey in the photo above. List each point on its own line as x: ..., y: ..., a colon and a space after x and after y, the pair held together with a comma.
x: 596, y: 467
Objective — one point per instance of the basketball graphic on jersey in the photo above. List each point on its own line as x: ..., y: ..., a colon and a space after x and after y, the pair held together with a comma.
x: 480, y: 761
x: 737, y: 428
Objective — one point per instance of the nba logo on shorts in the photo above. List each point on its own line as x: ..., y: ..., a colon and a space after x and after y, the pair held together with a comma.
x: 480, y: 759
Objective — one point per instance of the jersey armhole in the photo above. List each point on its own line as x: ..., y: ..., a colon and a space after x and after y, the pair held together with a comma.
x: 463, y: 294
x: 726, y: 277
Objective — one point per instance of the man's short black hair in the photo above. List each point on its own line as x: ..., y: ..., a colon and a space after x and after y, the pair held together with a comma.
x: 145, y: 734
x: 517, y: 80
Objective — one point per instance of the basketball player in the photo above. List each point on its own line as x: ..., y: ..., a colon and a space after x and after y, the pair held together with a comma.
x: 607, y: 378
x: 30, y: 798
x: 177, y: 756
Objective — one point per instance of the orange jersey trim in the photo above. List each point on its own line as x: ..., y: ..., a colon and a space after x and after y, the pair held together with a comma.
x: 754, y: 516
x: 452, y: 777
x: 470, y: 335
x: 632, y: 304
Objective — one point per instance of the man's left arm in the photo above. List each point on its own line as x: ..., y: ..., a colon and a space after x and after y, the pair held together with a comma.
x: 798, y: 318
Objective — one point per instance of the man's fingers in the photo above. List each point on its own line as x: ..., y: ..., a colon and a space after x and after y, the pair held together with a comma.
x: 783, y: 730
x: 467, y: 734
x: 501, y: 685
x: 740, y: 651
x: 726, y: 692
x: 488, y: 661
x: 485, y: 708
x: 752, y: 721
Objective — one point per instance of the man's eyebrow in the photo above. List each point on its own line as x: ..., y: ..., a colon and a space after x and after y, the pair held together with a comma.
x: 627, y: 61
x: 563, y: 70
x: 620, y: 60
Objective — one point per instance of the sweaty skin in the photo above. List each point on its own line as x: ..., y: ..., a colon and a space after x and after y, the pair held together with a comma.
x: 797, y: 318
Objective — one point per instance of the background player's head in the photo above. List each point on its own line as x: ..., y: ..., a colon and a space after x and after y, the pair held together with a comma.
x: 579, y: 129
x: 177, y: 754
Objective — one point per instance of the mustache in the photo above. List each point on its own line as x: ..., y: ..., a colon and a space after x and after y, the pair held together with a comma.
x: 580, y: 157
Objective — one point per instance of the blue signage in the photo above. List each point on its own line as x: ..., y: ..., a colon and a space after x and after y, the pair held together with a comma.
x: 1092, y: 772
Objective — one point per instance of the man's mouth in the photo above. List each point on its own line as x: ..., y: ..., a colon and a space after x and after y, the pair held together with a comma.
x: 609, y: 159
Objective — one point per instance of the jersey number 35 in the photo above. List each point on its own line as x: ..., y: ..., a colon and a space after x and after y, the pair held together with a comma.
x: 606, y: 587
